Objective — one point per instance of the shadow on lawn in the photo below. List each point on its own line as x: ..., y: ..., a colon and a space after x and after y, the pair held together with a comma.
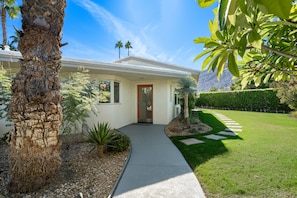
x: 197, y: 154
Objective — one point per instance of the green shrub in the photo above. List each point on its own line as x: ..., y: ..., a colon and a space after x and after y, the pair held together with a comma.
x: 5, y: 93
x: 120, y: 143
x: 248, y: 100
x: 80, y: 96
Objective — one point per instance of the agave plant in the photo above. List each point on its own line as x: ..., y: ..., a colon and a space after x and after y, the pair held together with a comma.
x: 101, y: 134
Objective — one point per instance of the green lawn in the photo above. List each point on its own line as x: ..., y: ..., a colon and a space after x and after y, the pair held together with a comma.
x: 260, y: 162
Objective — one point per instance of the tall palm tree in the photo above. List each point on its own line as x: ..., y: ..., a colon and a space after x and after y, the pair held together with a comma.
x: 7, y: 7
x: 119, y: 45
x: 34, y: 154
x: 188, y: 84
x: 128, y: 46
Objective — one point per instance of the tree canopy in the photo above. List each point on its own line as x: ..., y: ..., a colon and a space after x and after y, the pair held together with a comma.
x: 255, y: 39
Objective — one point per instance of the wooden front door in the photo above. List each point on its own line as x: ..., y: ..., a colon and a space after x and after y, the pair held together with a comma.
x: 145, y: 103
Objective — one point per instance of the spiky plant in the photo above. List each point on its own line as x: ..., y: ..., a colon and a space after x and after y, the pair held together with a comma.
x: 100, y: 134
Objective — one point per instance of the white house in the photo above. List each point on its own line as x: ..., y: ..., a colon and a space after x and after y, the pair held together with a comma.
x: 141, y: 90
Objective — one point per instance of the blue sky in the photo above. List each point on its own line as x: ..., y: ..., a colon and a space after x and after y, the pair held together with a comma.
x: 162, y: 30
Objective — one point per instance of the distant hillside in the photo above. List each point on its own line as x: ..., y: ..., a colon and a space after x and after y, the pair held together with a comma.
x: 208, y: 80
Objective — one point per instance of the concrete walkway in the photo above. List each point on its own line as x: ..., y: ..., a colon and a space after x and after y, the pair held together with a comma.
x: 156, y: 167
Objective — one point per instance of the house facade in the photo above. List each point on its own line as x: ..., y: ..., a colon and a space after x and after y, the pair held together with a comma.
x: 135, y: 90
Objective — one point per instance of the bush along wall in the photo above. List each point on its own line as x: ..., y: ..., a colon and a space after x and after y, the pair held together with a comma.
x: 246, y: 100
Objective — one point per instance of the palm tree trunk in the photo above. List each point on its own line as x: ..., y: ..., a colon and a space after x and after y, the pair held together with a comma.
x: 119, y: 53
x: 186, y: 109
x: 3, y: 22
x: 35, y: 107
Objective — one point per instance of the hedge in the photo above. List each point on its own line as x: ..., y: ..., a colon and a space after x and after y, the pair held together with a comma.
x: 247, y: 100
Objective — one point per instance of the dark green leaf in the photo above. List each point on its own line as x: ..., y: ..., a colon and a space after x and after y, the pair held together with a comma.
x: 255, y: 39
x: 232, y: 66
x: 242, y: 45
x: 219, y: 35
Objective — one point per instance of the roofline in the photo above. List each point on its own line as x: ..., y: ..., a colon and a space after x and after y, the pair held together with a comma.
x: 166, y: 70
x: 151, y: 61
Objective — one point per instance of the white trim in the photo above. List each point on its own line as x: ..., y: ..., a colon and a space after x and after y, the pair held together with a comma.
x: 163, y: 69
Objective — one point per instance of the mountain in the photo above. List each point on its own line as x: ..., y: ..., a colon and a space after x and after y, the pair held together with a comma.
x: 207, y: 80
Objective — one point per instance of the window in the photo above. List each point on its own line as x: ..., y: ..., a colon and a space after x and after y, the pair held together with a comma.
x: 104, y: 91
x: 116, y: 88
x: 176, y: 98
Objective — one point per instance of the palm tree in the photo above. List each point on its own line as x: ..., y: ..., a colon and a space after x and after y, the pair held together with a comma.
x: 34, y: 147
x: 7, y: 6
x: 188, y: 84
x: 119, y: 45
x: 128, y: 46
x: 15, y: 39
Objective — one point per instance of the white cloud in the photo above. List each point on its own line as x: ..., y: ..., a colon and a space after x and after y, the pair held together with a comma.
x: 142, y: 43
x: 115, y: 27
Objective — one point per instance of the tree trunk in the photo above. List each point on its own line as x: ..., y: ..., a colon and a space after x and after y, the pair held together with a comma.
x: 35, y: 107
x: 186, y: 109
x: 3, y: 22
x: 100, y: 150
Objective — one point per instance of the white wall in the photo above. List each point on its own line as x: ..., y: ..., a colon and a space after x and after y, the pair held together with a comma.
x: 117, y: 114
x: 163, y: 102
x: 3, y: 128
x: 125, y: 112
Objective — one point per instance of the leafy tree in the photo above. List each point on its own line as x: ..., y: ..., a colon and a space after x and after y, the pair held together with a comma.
x: 80, y: 95
x: 236, y: 85
x: 119, y: 45
x: 255, y: 39
x: 5, y: 93
x: 287, y: 92
x: 7, y: 7
x: 34, y: 147
x: 128, y: 46
x: 188, y: 85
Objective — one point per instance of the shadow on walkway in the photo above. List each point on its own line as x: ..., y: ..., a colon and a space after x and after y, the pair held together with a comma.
x: 156, y: 167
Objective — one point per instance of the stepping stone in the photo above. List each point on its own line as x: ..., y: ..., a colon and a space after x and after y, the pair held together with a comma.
x: 214, y: 137
x: 232, y: 129
x: 234, y: 126
x: 191, y: 141
x: 232, y: 123
x: 227, y: 133
x: 223, y: 117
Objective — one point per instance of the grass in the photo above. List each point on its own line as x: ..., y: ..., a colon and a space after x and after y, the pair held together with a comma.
x: 260, y: 162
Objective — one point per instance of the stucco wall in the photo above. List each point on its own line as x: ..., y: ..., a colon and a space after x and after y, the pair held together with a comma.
x: 3, y: 128
x: 125, y: 112
x: 163, y: 100
x: 117, y: 114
